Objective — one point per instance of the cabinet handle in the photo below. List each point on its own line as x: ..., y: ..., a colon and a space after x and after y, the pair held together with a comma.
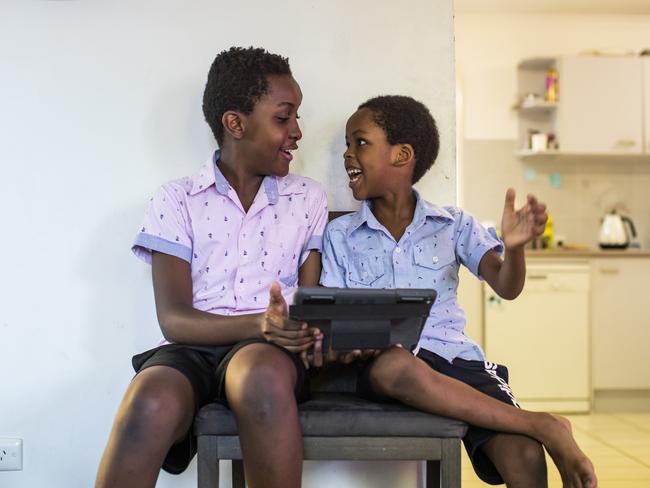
x: 625, y: 143
x: 610, y: 271
x: 537, y: 277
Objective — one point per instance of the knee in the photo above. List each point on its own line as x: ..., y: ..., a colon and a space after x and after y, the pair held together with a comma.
x: 392, y: 372
x: 148, y: 413
x: 260, y: 382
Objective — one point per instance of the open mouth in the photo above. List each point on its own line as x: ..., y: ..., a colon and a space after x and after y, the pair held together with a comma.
x: 354, y: 174
x: 287, y: 153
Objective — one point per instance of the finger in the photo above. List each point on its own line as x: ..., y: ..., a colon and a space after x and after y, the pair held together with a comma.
x: 509, y: 205
x: 298, y: 349
x: 274, y: 333
x: 276, y: 300
x: 317, y: 359
x: 541, y: 217
x: 285, y: 341
x: 304, y: 359
x: 349, y: 357
x: 283, y: 327
x: 532, y: 200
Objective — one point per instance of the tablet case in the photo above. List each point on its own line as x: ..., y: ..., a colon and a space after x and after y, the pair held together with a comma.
x: 352, y: 318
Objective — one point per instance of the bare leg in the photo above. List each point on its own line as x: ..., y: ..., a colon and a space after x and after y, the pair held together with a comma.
x: 260, y: 382
x: 519, y: 459
x: 157, y: 410
x: 400, y: 375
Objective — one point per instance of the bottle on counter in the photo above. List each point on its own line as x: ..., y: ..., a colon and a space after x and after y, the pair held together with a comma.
x: 547, y: 236
x: 551, y: 94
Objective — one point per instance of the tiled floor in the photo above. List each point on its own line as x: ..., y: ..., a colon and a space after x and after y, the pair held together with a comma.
x: 618, y: 445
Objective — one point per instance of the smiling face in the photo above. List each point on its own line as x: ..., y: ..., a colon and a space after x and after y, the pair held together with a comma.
x: 369, y: 158
x: 271, y: 129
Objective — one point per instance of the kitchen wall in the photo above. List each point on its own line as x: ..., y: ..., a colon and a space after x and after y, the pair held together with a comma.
x: 100, y: 102
x: 578, y: 191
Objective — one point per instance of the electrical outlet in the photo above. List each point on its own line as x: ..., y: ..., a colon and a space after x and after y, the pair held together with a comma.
x: 11, y: 454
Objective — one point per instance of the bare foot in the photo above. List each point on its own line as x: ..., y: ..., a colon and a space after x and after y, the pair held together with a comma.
x: 574, y: 466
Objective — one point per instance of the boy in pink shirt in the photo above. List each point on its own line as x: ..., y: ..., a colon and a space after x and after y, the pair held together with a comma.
x: 217, y: 242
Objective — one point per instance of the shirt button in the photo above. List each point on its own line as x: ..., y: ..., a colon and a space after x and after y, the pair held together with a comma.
x: 398, y: 250
x: 435, y: 259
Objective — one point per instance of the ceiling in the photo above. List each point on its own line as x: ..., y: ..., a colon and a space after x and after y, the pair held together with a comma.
x: 640, y: 7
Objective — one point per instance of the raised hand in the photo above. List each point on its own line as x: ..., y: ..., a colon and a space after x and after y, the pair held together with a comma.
x: 277, y: 327
x: 521, y: 226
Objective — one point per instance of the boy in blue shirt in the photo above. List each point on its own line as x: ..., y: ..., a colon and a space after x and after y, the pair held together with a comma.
x: 398, y: 240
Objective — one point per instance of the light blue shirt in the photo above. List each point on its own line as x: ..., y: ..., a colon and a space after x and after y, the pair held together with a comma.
x: 359, y: 252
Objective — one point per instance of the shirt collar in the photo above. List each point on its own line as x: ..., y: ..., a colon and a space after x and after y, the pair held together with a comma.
x: 210, y: 174
x: 423, y: 210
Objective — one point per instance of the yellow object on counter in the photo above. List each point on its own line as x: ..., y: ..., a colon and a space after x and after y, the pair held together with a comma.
x: 548, y: 240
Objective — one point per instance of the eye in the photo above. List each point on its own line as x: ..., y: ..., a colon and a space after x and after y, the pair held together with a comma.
x: 282, y: 120
x: 361, y: 142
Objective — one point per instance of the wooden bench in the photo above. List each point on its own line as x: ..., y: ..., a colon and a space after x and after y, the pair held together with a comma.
x: 338, y: 425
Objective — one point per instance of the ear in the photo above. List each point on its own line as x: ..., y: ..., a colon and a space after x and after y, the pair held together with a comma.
x: 233, y: 124
x: 404, y: 155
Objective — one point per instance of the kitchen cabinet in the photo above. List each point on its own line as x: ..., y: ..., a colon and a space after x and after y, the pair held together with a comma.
x: 620, y: 323
x: 543, y: 337
x: 646, y: 102
x: 600, y: 108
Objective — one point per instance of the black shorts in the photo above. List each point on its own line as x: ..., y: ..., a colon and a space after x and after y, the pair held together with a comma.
x: 490, y: 379
x: 205, y: 368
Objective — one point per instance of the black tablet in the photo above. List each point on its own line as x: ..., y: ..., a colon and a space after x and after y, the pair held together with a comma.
x: 353, y: 318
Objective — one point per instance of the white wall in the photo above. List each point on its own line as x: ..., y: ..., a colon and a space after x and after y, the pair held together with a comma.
x: 489, y: 46
x: 99, y: 104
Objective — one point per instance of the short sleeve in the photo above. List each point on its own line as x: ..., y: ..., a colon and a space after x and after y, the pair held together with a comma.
x: 165, y: 227
x: 317, y: 211
x: 473, y: 241
x: 333, y: 272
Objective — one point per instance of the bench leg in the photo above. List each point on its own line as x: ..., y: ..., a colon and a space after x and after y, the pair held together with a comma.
x: 238, y: 478
x: 450, y: 463
x: 208, y: 464
x: 432, y: 474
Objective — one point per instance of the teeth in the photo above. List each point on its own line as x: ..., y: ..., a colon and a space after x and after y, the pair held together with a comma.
x: 353, y: 172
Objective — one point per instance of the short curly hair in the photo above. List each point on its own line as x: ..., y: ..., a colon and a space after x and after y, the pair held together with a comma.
x: 236, y: 81
x: 407, y: 121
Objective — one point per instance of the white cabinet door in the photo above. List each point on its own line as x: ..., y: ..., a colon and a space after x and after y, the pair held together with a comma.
x: 543, y: 338
x: 646, y: 102
x: 621, y: 323
x: 600, y: 108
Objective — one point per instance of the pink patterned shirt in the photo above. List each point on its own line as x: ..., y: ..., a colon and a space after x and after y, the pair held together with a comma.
x: 235, y: 255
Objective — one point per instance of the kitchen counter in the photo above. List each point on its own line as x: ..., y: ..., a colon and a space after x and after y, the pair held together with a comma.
x: 587, y: 253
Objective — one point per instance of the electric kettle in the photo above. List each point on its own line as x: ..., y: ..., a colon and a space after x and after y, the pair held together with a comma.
x: 615, y: 231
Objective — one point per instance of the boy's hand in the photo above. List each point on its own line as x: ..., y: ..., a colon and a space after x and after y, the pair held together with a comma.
x: 524, y: 225
x: 318, y: 359
x: 276, y: 326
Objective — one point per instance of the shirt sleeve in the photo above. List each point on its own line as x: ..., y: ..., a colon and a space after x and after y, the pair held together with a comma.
x: 165, y: 227
x: 317, y: 222
x: 333, y: 272
x: 474, y: 241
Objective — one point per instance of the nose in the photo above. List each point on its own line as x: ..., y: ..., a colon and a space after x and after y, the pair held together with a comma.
x: 347, y: 154
x: 296, y: 133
